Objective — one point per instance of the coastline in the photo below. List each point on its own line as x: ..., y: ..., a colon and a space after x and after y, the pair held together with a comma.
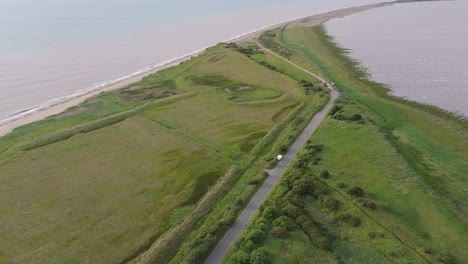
x: 39, y: 113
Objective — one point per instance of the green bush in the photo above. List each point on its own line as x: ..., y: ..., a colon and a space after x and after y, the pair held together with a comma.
x: 330, y: 204
x: 325, y: 174
x: 300, y: 220
x: 249, y: 245
x: 256, y: 236
x: 350, y: 219
x: 335, y: 109
x: 356, y: 191
x: 341, y: 185
x: 292, y: 210
x: 240, y: 258
x: 367, y: 203
x: 260, y: 256
x: 355, y: 117
x: 279, y: 232
x: 269, y: 212
x: 283, y: 222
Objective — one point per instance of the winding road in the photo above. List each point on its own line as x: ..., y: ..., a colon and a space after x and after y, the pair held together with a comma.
x: 231, y: 236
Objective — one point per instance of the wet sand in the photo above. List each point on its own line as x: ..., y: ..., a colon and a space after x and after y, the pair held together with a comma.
x: 310, y: 21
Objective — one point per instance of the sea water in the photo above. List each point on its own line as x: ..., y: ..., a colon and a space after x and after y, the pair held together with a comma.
x: 420, y: 50
x: 52, y: 50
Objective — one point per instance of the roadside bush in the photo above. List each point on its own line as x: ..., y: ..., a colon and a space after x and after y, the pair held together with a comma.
x: 260, y: 256
x: 283, y: 149
x: 240, y: 258
x: 316, y: 148
x: 214, y: 228
x: 255, y: 236
x: 335, y: 109
x: 200, y: 250
x: 253, y: 181
x: 303, y: 187
x: 249, y: 245
x: 356, y: 191
x: 269, y: 212
x: 279, y: 232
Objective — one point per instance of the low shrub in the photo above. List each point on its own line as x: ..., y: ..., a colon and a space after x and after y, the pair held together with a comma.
x: 325, y: 174
x: 367, y: 203
x: 292, y: 210
x: 279, y: 232
x: 256, y: 236
x: 356, y: 191
x: 355, y: 117
x: 253, y: 181
x: 283, y: 222
x: 330, y: 204
x: 260, y: 256
x: 350, y: 219
x: 269, y: 212
x: 429, y: 250
x: 240, y: 258
x: 335, y: 109
x: 341, y: 185
x: 339, y: 116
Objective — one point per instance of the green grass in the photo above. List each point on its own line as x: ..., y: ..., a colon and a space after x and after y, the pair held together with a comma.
x: 85, y: 211
x: 409, y: 158
x: 356, y: 254
x: 104, y: 181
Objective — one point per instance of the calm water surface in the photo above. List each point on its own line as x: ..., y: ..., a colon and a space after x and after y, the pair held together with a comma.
x: 53, y: 49
x: 419, y: 49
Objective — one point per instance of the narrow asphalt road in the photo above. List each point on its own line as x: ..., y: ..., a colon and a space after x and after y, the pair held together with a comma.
x: 231, y: 236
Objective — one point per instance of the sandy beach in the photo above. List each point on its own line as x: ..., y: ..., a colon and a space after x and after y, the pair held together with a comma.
x: 309, y: 21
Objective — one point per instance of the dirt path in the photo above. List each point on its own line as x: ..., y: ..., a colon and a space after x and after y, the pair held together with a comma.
x: 231, y: 236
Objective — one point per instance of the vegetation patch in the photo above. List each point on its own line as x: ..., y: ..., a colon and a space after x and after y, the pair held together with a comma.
x: 150, y: 88
x: 213, y: 80
x: 202, y: 184
x: 250, y: 141
x: 370, y: 188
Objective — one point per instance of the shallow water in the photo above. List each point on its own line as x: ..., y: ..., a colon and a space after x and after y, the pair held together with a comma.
x: 419, y: 49
x: 53, y: 49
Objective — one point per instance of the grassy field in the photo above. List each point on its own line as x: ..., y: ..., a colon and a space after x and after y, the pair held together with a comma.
x: 103, y: 181
x: 388, y: 186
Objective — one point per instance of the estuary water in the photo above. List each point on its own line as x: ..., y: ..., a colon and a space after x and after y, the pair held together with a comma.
x: 51, y: 50
x: 420, y: 50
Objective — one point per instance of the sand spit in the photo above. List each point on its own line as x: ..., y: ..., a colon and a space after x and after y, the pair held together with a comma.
x: 310, y: 21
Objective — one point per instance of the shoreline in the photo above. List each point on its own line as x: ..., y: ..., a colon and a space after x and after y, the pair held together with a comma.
x: 59, y: 105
